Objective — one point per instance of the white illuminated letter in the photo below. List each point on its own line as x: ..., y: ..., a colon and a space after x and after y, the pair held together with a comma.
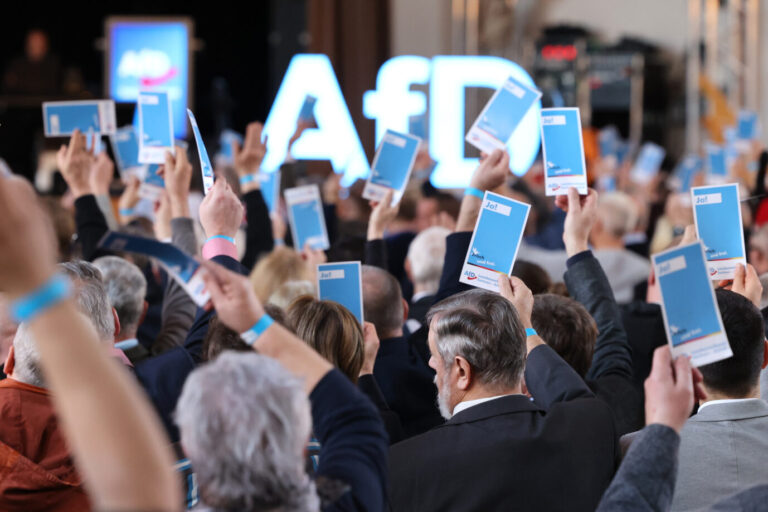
x: 392, y: 103
x: 450, y: 76
x: 335, y: 137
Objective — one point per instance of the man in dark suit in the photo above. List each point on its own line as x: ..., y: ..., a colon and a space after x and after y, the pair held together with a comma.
x: 499, y: 450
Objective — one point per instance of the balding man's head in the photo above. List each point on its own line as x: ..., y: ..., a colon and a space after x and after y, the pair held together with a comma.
x: 383, y: 302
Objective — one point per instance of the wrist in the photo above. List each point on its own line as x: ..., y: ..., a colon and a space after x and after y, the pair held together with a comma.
x: 43, y: 292
x: 574, y: 247
x: 179, y: 206
x: 375, y: 234
x: 259, y: 325
x: 81, y: 191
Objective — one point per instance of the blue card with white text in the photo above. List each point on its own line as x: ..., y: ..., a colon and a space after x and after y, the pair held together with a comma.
x: 495, y: 241
x: 717, y: 164
x: 609, y: 139
x: 270, y: 189
x: 305, y: 214
x: 747, y: 125
x: 205, y: 162
x: 502, y: 114
x: 688, y: 168
x: 153, y: 184
x: 392, y: 166
x: 648, y: 162
x: 717, y: 213
x: 691, y: 316
x: 155, y: 127
x: 61, y: 118
x: 125, y: 146
x: 179, y: 265
x: 563, y: 150
x: 341, y: 282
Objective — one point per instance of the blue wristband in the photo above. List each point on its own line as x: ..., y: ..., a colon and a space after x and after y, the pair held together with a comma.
x: 251, y: 335
x: 51, y: 293
x: 471, y: 191
x: 126, y: 212
x: 531, y: 332
x: 223, y: 237
x: 248, y: 178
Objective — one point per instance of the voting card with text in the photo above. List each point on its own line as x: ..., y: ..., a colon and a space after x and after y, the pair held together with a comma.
x: 341, y: 282
x: 717, y: 213
x: 125, y: 147
x: 691, y: 316
x: 270, y: 189
x: 392, y: 166
x: 648, y: 163
x: 181, y: 266
x: 685, y: 172
x: 495, y: 241
x: 205, y: 162
x: 61, y: 118
x: 305, y: 215
x: 501, y: 115
x: 155, y: 127
x: 563, y: 149
x: 152, y: 186
x: 717, y: 165
x: 747, y: 127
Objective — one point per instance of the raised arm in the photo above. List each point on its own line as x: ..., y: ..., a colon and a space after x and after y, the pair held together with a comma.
x: 588, y: 284
x: 117, y: 441
x: 354, y: 445
x: 382, y: 213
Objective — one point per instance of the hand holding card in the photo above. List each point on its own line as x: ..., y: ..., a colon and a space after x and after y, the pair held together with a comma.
x: 75, y: 163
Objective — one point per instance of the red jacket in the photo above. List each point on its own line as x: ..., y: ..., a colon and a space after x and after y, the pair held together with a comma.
x: 36, y: 471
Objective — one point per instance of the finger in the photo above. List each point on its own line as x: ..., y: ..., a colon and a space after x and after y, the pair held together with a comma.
x: 739, y: 276
x: 235, y: 150
x: 213, y: 286
x: 495, y: 157
x: 504, y: 161
x: 218, y: 272
x: 387, y: 200
x: 74, y: 141
x: 698, y: 384
x: 181, y: 156
x: 689, y: 236
x: 561, y: 202
x: 591, y: 200
x: 574, y: 200
x: 683, y: 374
x: 751, y: 274
x: 505, y: 288
x: 518, y: 286
x: 169, y: 161
x: 661, y: 368
x: 251, y: 137
x: 61, y: 156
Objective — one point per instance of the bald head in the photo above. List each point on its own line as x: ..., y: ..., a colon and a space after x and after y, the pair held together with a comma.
x: 382, y: 302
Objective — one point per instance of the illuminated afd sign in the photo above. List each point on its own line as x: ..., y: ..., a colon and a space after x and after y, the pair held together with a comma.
x: 391, y: 105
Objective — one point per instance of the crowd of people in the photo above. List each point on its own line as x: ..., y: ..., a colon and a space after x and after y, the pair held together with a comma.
x: 558, y: 393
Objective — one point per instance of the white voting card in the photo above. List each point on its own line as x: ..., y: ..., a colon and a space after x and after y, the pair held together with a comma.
x: 502, y: 114
x: 392, y: 166
x: 205, y: 162
x: 717, y: 213
x: 305, y: 215
x: 155, y: 127
x: 495, y: 241
x: 691, y: 316
x: 341, y: 282
x: 61, y: 118
x: 563, y: 148
x: 648, y: 162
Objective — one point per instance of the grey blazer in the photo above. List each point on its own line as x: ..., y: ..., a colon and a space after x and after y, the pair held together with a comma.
x: 723, y: 450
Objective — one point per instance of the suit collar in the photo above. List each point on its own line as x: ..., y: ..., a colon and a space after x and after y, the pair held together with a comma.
x: 741, y: 410
x: 496, y: 407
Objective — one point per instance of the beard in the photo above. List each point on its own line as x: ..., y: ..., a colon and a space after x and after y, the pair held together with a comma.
x: 444, y: 397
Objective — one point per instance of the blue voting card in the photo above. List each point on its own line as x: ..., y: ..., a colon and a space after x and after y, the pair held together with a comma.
x: 648, y: 162
x: 205, y: 162
x: 155, y: 127
x: 418, y: 126
x: 392, y: 166
x: 747, y: 125
x: 307, y: 112
x: 125, y: 146
x: 691, y: 316
x: 685, y: 172
x: 609, y: 140
x: 717, y: 213
x: 227, y: 141
x: 61, y: 118
x: 305, y: 214
x: 341, y: 282
x: 495, y: 241
x: 563, y: 151
x: 182, y: 267
x: 153, y: 184
x: 270, y: 189
x: 717, y: 164
x: 501, y: 115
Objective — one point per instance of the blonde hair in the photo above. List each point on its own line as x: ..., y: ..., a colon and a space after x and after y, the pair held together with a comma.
x: 277, y: 268
x: 332, y: 330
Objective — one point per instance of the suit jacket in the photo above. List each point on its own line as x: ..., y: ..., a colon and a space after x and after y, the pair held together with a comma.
x: 558, y: 452
x: 418, y: 309
x: 722, y: 451
x: 610, y: 376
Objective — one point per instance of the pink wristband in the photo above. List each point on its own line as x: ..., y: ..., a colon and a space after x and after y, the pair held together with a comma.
x: 219, y: 247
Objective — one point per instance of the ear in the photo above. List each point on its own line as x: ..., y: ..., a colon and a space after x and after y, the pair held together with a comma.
x: 406, y: 310
x: 524, y: 388
x: 765, y: 354
x: 144, y: 309
x: 117, y: 324
x: 407, y: 267
x: 10, y: 362
x: 464, y: 377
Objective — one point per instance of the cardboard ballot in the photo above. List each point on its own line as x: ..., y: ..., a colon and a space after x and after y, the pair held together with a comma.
x: 341, y: 282
x: 392, y: 166
x: 717, y: 213
x: 61, y: 118
x: 563, y: 148
x: 305, y: 215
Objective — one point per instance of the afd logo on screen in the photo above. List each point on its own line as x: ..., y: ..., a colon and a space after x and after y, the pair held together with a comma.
x: 391, y: 105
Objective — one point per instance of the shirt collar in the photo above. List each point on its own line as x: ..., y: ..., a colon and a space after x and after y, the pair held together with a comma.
x: 462, y: 406
x: 418, y: 296
x: 725, y: 401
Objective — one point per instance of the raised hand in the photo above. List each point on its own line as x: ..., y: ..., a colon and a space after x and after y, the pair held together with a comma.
x: 221, y: 212
x: 747, y: 283
x: 75, y: 162
x: 248, y: 158
x: 370, y: 348
x: 129, y: 198
x: 492, y: 172
x: 177, y: 174
x: 516, y: 292
x: 233, y: 297
x: 101, y: 174
x: 580, y: 218
x: 382, y: 213
x: 671, y: 389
